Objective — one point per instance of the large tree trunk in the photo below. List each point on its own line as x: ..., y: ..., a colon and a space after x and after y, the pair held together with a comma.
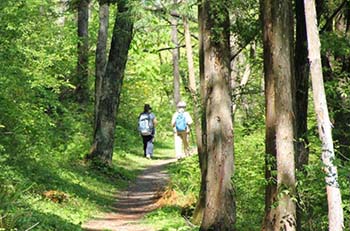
x: 301, y: 94
x: 219, y: 213
x: 335, y: 211
x: 102, y: 148
x: 278, y: 40
x: 101, y: 52
x: 270, y: 115
x: 283, y: 74
x: 176, y: 57
x: 81, y: 81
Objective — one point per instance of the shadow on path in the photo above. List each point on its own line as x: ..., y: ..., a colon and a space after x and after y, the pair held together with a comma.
x: 133, y: 203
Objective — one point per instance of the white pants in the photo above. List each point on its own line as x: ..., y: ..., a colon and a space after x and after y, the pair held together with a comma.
x: 181, y: 144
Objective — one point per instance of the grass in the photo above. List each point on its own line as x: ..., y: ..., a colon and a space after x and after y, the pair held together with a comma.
x: 87, y: 191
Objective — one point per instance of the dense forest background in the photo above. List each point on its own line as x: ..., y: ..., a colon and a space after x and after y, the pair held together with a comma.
x: 46, y: 131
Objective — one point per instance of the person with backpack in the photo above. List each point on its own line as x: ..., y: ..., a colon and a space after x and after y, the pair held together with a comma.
x: 181, y: 122
x: 146, y: 125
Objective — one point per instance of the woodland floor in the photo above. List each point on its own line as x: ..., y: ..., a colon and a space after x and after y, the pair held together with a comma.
x: 134, y: 202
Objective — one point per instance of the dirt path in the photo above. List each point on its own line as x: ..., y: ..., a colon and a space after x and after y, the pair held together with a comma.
x: 133, y: 203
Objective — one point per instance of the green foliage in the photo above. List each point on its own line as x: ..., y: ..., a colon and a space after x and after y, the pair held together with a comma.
x: 185, y: 176
x: 245, y: 24
x: 337, y: 44
x: 168, y: 219
x: 248, y: 180
x: 312, y: 198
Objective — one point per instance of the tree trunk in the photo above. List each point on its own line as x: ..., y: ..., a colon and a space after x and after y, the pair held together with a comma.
x: 101, y: 52
x: 301, y: 94
x: 176, y: 71
x: 219, y: 212
x: 283, y: 41
x: 202, y: 155
x: 270, y: 115
x: 283, y: 74
x: 102, y: 148
x: 335, y: 211
x: 81, y: 82
x: 278, y: 40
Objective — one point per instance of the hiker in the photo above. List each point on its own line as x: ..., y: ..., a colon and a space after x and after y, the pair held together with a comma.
x: 181, y: 122
x: 146, y: 125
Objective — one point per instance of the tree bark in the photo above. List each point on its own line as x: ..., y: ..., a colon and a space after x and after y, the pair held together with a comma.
x: 278, y: 40
x: 219, y: 212
x: 335, y: 211
x: 101, y: 52
x: 81, y: 82
x: 283, y: 74
x: 270, y: 115
x: 176, y: 70
x: 102, y: 148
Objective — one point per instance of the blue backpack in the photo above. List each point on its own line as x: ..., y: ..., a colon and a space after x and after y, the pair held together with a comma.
x: 180, y: 122
x: 145, y: 126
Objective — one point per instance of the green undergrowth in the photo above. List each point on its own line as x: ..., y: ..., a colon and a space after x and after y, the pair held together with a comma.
x: 59, y: 195
x: 55, y: 189
x: 182, y: 193
x: 51, y: 187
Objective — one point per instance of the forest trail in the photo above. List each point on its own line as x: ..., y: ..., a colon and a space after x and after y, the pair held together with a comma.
x: 135, y: 201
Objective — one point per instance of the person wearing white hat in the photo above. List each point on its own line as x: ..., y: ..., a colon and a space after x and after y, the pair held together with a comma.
x: 181, y: 122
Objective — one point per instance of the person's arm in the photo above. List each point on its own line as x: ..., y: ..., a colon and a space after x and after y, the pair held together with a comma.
x: 155, y: 121
x: 189, y: 121
x: 173, y: 119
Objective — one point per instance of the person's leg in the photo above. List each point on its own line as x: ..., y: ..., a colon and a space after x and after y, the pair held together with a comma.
x: 149, y: 149
x: 144, y: 140
x: 186, y: 144
x: 184, y: 140
x: 178, y: 146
